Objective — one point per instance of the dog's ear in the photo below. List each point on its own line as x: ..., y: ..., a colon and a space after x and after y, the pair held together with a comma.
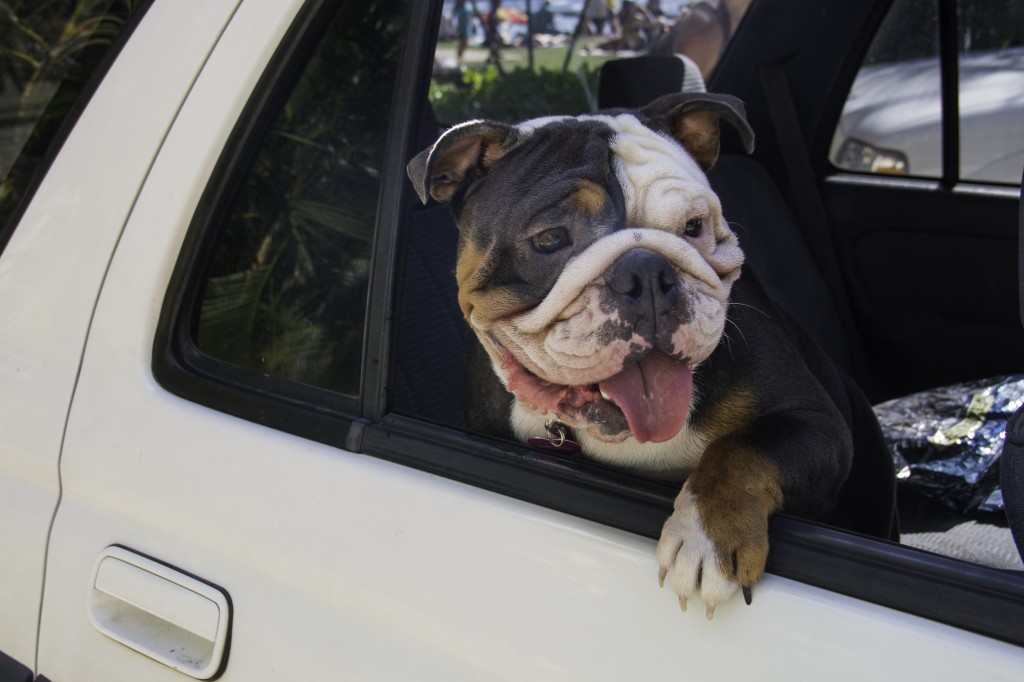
x: 692, y: 119
x: 461, y: 154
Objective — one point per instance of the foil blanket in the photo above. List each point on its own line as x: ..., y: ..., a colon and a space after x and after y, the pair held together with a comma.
x: 946, y: 442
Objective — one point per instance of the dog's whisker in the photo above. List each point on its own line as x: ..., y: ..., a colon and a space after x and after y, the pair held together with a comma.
x: 747, y: 305
x: 737, y: 327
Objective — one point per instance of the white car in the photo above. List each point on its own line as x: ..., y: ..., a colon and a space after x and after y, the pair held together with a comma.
x: 210, y: 462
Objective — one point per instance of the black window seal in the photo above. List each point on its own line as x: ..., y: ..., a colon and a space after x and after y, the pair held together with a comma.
x: 14, y: 671
x: 68, y: 124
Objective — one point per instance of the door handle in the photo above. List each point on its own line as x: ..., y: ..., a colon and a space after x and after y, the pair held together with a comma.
x: 160, y: 612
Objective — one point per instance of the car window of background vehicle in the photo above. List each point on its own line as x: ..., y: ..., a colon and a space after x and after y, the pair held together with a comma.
x: 286, y: 291
x: 892, y: 120
x: 991, y: 74
x: 49, y: 49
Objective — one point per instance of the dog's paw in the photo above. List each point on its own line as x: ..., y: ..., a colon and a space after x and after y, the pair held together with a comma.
x: 711, y: 561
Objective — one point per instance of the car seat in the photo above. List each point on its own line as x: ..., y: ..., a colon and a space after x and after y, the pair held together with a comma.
x: 1011, y: 471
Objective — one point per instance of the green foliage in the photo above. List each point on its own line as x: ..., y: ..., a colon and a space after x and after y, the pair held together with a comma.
x: 519, y: 95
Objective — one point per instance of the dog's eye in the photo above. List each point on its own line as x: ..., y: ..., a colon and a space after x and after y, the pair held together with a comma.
x: 694, y: 227
x: 551, y: 240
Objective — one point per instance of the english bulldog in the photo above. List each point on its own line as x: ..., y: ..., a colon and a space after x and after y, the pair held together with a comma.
x: 604, y: 285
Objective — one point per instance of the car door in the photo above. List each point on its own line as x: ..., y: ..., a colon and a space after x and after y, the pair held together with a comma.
x: 259, y: 515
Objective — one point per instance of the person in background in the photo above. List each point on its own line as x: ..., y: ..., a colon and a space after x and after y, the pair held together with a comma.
x: 543, y: 20
x: 463, y: 20
x: 597, y: 14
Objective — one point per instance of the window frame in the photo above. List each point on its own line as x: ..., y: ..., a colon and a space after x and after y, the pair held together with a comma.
x: 70, y: 119
x: 975, y: 598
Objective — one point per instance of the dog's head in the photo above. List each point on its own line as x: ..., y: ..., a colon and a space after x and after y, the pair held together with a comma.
x: 594, y: 263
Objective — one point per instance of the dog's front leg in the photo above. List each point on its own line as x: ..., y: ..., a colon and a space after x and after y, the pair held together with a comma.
x: 717, y: 536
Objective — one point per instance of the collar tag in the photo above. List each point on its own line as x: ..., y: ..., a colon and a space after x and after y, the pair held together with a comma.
x: 557, y: 438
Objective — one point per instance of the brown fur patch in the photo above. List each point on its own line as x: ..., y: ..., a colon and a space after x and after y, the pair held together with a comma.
x: 451, y: 167
x: 588, y: 197
x: 737, y: 489
x: 493, y: 151
x: 698, y: 132
x: 470, y: 262
x: 730, y: 414
x: 485, y: 304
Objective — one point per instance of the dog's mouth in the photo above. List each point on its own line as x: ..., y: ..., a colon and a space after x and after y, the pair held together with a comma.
x: 649, y: 399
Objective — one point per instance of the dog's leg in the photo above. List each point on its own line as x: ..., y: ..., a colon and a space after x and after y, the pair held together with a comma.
x: 717, y: 536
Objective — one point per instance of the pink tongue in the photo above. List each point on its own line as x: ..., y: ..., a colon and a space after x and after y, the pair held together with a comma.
x: 653, y: 394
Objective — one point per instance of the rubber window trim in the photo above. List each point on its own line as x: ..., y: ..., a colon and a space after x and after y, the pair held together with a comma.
x: 13, y: 671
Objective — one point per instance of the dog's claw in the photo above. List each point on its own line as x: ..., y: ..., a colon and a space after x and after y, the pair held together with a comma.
x: 661, y: 577
x: 748, y: 595
x: 710, y: 612
x: 682, y: 602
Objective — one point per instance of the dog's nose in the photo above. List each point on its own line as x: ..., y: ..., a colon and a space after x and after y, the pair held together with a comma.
x: 646, y: 281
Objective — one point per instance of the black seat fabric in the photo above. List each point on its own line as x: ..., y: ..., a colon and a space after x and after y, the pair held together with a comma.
x: 776, y: 251
x: 1011, y: 478
x: 1011, y: 465
x: 432, y: 335
x: 624, y: 82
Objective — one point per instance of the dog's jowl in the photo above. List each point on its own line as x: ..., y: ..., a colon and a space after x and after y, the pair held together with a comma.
x: 604, y: 285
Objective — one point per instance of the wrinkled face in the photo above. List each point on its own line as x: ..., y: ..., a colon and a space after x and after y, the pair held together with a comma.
x: 595, y: 267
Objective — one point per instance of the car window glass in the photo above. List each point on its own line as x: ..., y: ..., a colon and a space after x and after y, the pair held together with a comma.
x: 286, y: 292
x: 892, y: 120
x: 48, y: 51
x: 991, y: 67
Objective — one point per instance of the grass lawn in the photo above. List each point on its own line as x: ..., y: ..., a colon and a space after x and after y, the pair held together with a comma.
x: 477, y: 91
x: 544, y: 58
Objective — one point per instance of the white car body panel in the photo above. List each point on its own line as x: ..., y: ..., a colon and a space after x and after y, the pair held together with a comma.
x: 51, y: 272
x: 339, y: 565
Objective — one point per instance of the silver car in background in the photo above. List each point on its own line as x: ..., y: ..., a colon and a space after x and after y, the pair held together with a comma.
x: 892, y: 119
